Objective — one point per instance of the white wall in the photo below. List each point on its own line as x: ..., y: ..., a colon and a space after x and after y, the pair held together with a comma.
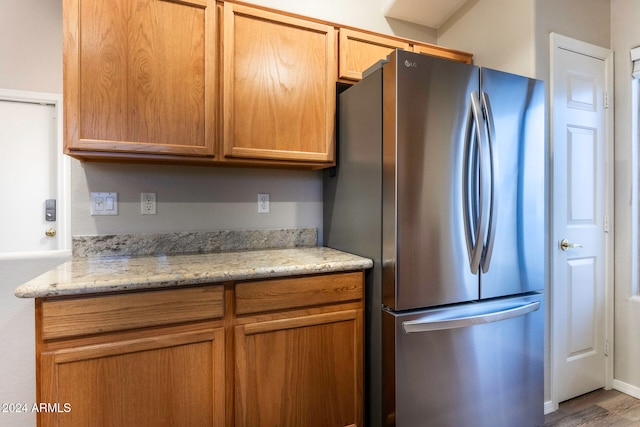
x: 625, y: 34
x: 30, y: 60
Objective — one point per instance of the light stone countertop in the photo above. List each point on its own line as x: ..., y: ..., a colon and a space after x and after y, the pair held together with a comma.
x: 128, y: 273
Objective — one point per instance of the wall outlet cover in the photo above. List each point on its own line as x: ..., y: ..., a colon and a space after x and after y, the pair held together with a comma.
x: 148, y: 203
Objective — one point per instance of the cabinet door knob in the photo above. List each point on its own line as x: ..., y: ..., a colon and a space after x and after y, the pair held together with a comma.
x: 50, y: 232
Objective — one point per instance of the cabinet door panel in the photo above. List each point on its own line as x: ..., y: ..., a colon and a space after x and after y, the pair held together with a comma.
x: 175, y: 380
x: 279, y: 86
x: 139, y: 76
x: 359, y: 51
x: 304, y: 371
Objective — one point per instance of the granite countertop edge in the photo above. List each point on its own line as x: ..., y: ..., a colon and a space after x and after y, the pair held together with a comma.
x: 80, y: 276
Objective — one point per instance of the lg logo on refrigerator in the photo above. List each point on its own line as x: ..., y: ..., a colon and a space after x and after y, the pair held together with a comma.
x: 410, y: 64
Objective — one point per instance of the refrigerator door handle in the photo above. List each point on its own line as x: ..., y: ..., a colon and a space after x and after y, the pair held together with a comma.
x: 491, y: 232
x: 476, y: 204
x: 420, y: 325
x: 468, y: 207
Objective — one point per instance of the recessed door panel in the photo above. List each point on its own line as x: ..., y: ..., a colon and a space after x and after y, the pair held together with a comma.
x: 582, y: 171
x: 582, y: 304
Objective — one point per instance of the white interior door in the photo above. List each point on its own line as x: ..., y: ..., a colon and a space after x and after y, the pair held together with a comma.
x: 32, y: 170
x: 580, y: 140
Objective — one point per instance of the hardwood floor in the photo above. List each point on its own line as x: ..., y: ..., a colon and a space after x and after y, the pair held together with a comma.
x: 598, y: 408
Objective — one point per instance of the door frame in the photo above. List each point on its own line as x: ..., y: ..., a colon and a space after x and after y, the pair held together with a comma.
x: 63, y: 184
x: 558, y: 41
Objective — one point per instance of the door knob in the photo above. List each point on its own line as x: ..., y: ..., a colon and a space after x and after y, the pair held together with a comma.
x: 50, y: 232
x: 564, y: 245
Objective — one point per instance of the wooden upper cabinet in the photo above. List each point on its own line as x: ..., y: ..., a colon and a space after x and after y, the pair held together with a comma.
x: 359, y: 51
x: 139, y: 76
x: 279, y: 86
x: 206, y: 82
x: 434, y: 50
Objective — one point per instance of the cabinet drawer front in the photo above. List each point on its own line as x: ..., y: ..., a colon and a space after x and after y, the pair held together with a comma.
x: 74, y: 317
x: 278, y: 294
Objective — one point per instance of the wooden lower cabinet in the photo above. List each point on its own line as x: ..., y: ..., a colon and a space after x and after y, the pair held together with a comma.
x: 301, y: 371
x: 153, y: 358
x: 299, y: 351
x: 279, y: 352
x: 166, y: 380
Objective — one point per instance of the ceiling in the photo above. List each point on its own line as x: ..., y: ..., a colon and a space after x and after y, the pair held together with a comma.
x: 431, y: 13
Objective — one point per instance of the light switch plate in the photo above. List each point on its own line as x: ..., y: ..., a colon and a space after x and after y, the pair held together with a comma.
x: 104, y: 204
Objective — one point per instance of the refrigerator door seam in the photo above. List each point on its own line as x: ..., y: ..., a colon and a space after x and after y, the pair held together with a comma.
x: 486, y: 105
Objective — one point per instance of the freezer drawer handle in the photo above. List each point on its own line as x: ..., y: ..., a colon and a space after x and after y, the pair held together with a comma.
x: 413, y: 326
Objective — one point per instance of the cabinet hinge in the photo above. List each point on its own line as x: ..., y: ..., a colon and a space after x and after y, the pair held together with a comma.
x: 606, y: 347
x: 606, y: 223
x: 606, y: 100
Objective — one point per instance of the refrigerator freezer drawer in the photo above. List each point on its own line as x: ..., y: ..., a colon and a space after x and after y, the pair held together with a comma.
x: 475, y: 364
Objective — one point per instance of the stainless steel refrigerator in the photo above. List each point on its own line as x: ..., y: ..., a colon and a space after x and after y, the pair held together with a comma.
x: 440, y: 179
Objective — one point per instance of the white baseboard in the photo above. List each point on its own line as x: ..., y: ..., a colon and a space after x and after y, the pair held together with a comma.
x: 629, y: 389
x: 549, y: 407
x: 621, y: 386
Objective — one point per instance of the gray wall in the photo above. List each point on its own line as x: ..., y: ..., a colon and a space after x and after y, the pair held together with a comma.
x: 499, y: 33
x: 31, y: 45
x: 513, y: 36
x: 625, y: 34
x: 195, y: 198
x: 585, y: 20
x: 17, y: 339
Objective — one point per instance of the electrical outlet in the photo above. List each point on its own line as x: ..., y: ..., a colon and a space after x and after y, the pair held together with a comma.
x: 263, y: 202
x: 148, y: 203
x: 104, y: 204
